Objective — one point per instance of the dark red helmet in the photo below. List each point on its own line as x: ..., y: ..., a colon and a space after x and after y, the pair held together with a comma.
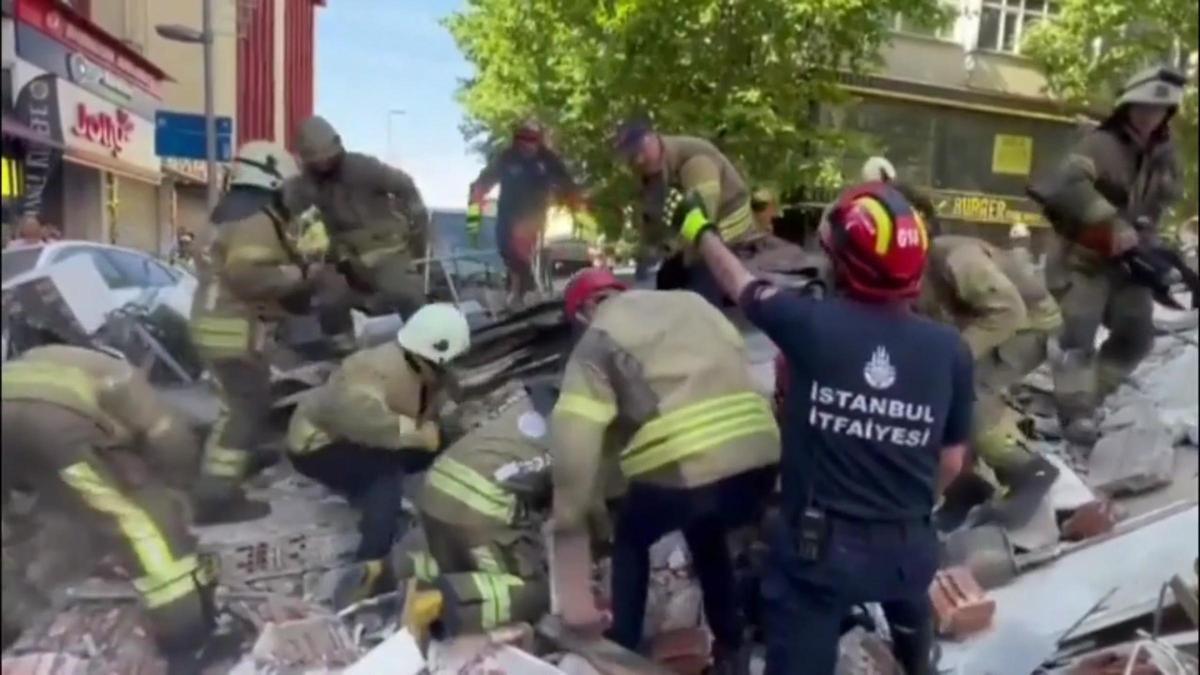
x: 877, y: 242
x: 586, y: 284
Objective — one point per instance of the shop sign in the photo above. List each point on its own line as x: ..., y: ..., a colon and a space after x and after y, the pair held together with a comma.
x: 984, y: 208
x: 96, y: 126
x: 37, y: 106
x: 194, y: 169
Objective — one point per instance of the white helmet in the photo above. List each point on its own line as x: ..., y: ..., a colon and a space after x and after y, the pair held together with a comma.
x: 437, y: 332
x: 1154, y: 86
x: 878, y: 169
x: 262, y: 164
x: 1018, y: 231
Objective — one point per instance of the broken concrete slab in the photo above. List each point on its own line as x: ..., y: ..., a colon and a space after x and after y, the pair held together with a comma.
x: 313, y: 642
x: 1133, y: 459
x: 863, y: 653
x: 398, y: 655
x: 1069, y: 492
x: 1040, y: 531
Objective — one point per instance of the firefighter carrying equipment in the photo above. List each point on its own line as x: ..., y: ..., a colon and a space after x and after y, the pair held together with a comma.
x: 262, y: 164
x: 878, y: 170
x: 317, y: 141
x: 689, y: 414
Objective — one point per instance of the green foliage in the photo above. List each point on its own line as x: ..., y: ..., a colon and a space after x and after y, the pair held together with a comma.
x: 746, y: 74
x: 1093, y: 46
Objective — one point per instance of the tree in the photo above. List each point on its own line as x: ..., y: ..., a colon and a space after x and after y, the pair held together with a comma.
x: 1093, y: 46
x: 747, y: 74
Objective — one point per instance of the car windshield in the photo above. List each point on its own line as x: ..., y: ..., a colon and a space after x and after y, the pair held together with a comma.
x: 19, y: 261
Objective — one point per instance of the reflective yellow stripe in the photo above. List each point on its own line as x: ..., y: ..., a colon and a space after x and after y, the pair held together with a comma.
x: 883, y: 223
x: 161, y: 583
x: 461, y: 482
x: 225, y: 335
x: 496, y: 605
x: 600, y: 412
x: 220, y: 460
x: 303, y: 436
x: 695, y: 429
x: 735, y: 224
x: 256, y: 253
x: 20, y: 377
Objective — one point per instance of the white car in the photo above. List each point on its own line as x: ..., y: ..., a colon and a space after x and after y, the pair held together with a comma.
x: 132, y: 276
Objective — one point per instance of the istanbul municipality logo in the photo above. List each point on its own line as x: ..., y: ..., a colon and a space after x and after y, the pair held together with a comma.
x: 879, y: 372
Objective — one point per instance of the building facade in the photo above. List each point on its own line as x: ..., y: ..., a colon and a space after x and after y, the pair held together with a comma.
x: 961, y: 113
x: 86, y: 82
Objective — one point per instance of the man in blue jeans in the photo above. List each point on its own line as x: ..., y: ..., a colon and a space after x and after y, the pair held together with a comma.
x: 874, y: 426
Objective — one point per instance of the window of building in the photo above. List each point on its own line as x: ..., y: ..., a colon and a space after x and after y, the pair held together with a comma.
x: 1003, y: 23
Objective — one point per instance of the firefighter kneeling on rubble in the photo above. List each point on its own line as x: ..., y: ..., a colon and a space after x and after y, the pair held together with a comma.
x: 875, y: 423
x: 660, y: 381
x: 251, y: 275
x: 481, y: 507
x: 375, y: 421
x: 1007, y: 317
x: 86, y: 433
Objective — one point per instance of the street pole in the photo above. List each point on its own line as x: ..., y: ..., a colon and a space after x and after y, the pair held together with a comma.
x: 210, y: 119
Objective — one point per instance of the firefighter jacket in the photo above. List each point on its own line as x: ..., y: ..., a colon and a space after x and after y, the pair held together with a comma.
x: 377, y: 398
x: 989, y: 294
x: 1110, y: 182
x: 247, y: 268
x: 660, y: 379
x: 371, y: 210
x: 493, y: 476
x: 115, y: 396
x: 693, y: 165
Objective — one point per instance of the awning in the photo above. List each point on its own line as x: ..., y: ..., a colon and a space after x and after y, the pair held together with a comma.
x: 16, y: 129
x: 100, y: 162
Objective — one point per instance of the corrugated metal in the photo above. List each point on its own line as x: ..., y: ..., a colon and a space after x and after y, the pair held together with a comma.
x: 256, y: 73
x: 298, y: 65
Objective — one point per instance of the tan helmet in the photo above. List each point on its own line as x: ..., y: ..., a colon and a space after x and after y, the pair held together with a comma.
x: 878, y: 170
x: 1157, y: 85
x: 317, y: 140
x: 437, y: 332
x: 262, y: 164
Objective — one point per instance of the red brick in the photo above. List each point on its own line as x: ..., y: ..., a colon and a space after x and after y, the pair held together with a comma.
x: 960, y: 605
x: 1090, y: 520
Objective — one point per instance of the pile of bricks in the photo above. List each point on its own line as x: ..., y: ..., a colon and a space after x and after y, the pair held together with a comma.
x: 961, y: 606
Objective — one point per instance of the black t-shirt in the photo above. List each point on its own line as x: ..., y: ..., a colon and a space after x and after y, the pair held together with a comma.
x: 876, y: 394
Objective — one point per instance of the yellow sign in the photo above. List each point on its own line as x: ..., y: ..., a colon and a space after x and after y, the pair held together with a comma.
x: 1012, y: 155
x: 979, y: 208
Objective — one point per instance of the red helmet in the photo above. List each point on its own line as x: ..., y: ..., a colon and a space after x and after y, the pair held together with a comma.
x: 586, y: 284
x: 877, y: 243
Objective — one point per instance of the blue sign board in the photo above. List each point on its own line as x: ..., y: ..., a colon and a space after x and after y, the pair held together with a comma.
x: 181, y: 135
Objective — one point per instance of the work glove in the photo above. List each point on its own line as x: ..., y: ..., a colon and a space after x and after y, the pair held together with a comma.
x: 474, y: 223
x: 1152, y: 267
x: 690, y: 219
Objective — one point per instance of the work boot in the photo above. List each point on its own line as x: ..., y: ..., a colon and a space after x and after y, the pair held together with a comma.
x: 1027, y: 485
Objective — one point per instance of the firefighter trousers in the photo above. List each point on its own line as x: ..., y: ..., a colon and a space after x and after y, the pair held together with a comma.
x: 995, y: 437
x: 244, y: 383
x: 62, y: 457
x: 487, y: 578
x: 372, y: 480
x: 1093, y: 295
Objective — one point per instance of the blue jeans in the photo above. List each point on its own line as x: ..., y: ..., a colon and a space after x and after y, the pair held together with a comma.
x: 888, y: 563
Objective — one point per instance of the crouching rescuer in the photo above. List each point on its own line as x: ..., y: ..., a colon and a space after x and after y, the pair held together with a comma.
x: 86, y: 433
x: 375, y: 421
x: 1006, y: 316
x: 660, y: 382
x: 481, y: 508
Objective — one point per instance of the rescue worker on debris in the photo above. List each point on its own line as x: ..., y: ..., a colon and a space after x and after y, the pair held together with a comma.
x: 375, y: 421
x: 1020, y: 245
x: 879, y: 170
x: 659, y: 381
x: 250, y: 276
x: 531, y: 176
x: 85, y: 432
x: 765, y: 208
x: 375, y: 217
x: 1105, y: 203
x: 481, y: 509
x: 672, y: 166
x: 875, y: 423
x: 1001, y: 307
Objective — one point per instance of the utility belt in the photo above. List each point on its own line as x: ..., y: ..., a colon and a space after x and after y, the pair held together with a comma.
x: 810, y: 530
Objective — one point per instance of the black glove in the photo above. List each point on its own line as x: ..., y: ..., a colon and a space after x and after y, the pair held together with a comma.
x: 1151, y: 267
